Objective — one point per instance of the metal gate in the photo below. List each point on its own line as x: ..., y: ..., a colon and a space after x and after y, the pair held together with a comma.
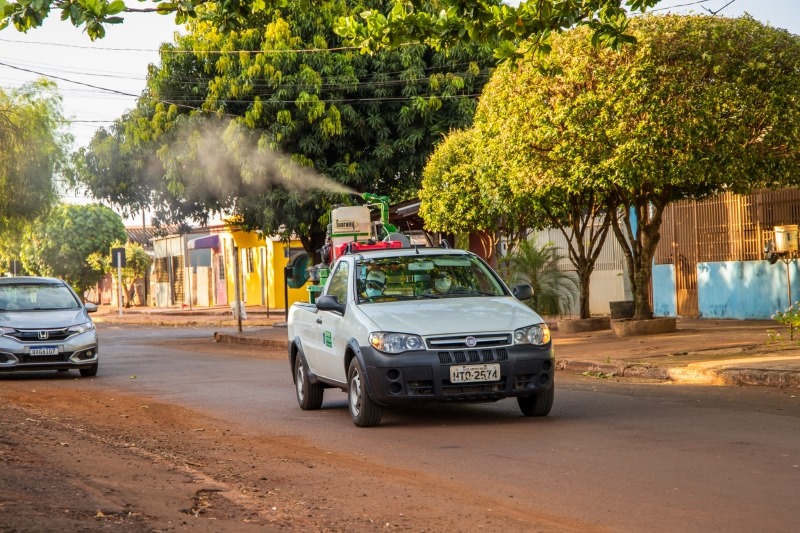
x: 681, y: 233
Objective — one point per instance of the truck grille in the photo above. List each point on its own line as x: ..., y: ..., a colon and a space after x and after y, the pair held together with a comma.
x: 454, y: 342
x: 473, y: 356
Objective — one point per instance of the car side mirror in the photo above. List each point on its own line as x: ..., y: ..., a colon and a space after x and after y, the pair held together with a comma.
x: 523, y: 291
x: 329, y: 303
x: 90, y: 307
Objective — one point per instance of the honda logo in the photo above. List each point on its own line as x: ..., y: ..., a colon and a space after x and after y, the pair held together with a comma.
x: 43, y: 335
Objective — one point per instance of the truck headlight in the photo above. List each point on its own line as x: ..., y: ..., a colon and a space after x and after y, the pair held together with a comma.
x: 538, y: 334
x: 395, y: 342
x: 81, y: 328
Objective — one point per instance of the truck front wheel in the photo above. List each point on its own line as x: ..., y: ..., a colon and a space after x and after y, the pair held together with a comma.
x: 539, y: 404
x: 364, y: 411
x: 309, y: 395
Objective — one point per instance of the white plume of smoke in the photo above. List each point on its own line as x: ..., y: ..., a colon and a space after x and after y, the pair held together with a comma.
x: 226, y: 159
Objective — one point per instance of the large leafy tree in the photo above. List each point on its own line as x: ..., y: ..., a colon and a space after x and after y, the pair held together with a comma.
x: 116, y: 170
x: 279, y: 132
x: 61, y: 243
x: 698, y: 106
x: 33, y: 150
x: 441, y: 23
x: 463, y: 191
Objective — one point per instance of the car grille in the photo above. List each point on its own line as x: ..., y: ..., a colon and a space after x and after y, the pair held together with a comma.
x: 57, y: 358
x: 473, y: 356
x: 32, y: 335
x: 453, y: 342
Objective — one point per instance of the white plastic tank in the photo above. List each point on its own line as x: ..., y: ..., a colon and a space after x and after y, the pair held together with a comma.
x: 786, y: 238
x: 351, y: 223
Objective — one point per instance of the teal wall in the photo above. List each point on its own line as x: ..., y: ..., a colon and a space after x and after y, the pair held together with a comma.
x: 745, y: 289
x: 664, y: 303
x: 731, y: 289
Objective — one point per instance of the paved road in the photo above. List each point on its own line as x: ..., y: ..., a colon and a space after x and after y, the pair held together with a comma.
x: 624, y: 456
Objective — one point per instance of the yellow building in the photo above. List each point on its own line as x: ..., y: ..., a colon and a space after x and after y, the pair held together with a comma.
x: 200, y: 266
x: 261, y: 268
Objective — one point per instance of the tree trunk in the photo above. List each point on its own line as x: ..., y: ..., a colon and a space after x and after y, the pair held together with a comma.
x: 639, y: 247
x: 584, y: 278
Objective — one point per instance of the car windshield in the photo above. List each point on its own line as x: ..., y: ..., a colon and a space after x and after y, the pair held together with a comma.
x: 36, y: 297
x: 419, y: 277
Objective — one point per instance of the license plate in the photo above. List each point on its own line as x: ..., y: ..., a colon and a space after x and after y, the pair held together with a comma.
x: 45, y: 350
x: 471, y: 373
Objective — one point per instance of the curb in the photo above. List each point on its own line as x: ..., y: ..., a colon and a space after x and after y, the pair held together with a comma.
x: 251, y: 341
x: 722, y: 376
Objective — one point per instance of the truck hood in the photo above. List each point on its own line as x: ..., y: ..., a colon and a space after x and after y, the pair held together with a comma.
x: 451, y: 315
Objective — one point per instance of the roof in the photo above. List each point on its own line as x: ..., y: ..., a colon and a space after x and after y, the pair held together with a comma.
x: 144, y: 235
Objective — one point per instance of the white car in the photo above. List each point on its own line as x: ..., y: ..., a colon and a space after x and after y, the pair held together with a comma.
x: 411, y: 325
x: 45, y: 326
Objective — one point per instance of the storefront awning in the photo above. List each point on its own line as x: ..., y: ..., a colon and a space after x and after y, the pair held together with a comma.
x: 209, y: 241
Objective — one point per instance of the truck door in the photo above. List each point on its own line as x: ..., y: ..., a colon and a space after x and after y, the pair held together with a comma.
x: 331, y: 354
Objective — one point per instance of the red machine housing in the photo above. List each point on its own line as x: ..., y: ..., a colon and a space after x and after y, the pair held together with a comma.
x: 355, y: 246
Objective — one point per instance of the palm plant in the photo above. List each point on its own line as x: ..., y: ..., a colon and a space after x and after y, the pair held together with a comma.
x: 554, y: 291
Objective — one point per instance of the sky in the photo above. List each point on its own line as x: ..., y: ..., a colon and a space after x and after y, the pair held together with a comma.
x: 91, y: 75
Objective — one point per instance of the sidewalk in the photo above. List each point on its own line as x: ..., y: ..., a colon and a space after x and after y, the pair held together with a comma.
x: 714, y: 352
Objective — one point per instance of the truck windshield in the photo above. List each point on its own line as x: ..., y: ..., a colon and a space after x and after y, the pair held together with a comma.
x: 418, y: 277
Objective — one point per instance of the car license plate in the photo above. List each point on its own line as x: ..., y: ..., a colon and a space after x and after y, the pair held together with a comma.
x: 471, y: 373
x: 45, y: 350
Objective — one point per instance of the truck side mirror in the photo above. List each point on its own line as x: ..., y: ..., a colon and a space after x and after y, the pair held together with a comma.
x: 330, y: 303
x: 523, y: 291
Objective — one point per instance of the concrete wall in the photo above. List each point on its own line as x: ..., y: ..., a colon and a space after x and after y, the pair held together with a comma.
x: 745, y: 289
x: 664, y: 291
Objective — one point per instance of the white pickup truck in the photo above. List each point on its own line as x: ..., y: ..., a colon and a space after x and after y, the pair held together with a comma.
x: 413, y: 325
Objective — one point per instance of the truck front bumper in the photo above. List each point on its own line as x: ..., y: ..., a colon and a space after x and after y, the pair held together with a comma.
x: 424, y: 375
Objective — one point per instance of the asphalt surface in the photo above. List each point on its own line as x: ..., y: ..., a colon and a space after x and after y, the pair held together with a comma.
x: 712, y: 352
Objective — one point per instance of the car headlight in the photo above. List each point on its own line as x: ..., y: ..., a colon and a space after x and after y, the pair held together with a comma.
x: 395, y: 342
x: 538, y: 334
x: 6, y: 331
x: 81, y: 328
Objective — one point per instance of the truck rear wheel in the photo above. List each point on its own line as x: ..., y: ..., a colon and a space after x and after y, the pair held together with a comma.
x: 364, y: 411
x: 309, y: 395
x: 538, y: 404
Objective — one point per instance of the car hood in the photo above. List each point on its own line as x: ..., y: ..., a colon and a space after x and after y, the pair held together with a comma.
x: 452, y: 315
x: 43, y: 319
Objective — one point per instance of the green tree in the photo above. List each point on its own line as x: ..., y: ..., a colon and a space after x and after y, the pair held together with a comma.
x: 442, y: 23
x: 137, y: 262
x: 33, y: 151
x: 346, y: 122
x: 554, y: 291
x: 550, y: 135
x: 463, y: 191
x: 698, y: 106
x: 510, y: 31
x: 60, y: 243
x: 117, y: 171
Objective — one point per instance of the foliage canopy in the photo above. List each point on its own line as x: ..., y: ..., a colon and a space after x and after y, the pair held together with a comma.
x: 61, y: 243
x: 699, y: 105
x: 33, y: 151
x: 275, y: 123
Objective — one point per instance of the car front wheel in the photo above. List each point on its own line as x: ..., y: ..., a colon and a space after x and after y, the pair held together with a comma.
x: 364, y: 411
x: 89, y: 372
